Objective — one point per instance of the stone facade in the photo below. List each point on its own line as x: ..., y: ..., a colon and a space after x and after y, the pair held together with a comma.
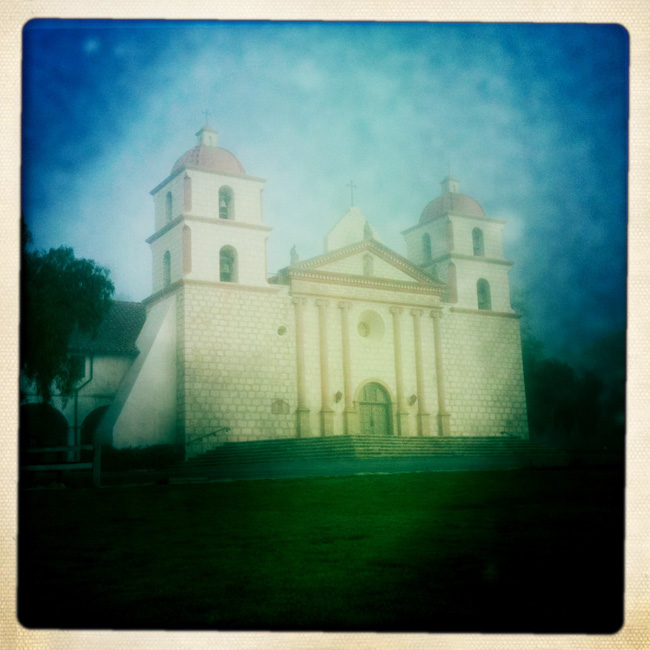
x: 359, y: 340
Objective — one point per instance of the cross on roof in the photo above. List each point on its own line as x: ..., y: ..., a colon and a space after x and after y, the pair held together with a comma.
x: 206, y: 113
x: 352, y: 186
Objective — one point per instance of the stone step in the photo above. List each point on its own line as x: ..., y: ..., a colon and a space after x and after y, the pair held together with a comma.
x: 360, y: 447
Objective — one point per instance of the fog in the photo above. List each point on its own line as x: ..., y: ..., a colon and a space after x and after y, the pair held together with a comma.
x: 532, y: 119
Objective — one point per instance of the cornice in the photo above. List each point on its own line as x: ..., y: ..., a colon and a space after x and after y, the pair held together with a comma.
x: 204, y: 171
x: 365, y: 281
x: 228, y: 223
x: 362, y: 299
x: 229, y: 286
x: 472, y: 258
x: 486, y: 312
x: 165, y: 229
x: 380, y: 250
x: 451, y: 213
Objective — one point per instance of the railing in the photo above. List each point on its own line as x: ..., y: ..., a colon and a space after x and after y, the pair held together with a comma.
x: 216, y: 432
x: 95, y: 465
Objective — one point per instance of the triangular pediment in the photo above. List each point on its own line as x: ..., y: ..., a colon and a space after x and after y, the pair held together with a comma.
x: 367, y: 259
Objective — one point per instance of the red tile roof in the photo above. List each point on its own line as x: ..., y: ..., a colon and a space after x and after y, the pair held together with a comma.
x: 452, y: 202
x: 116, y: 335
x: 213, y: 159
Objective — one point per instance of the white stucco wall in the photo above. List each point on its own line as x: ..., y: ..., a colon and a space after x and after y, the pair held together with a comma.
x: 144, y: 409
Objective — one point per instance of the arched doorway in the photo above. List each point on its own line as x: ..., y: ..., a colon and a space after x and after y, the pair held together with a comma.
x: 88, y: 429
x: 375, y: 410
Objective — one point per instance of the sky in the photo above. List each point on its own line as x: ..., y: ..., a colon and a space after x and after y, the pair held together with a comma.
x: 531, y: 118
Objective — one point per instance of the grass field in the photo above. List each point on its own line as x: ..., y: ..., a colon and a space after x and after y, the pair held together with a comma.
x: 517, y: 551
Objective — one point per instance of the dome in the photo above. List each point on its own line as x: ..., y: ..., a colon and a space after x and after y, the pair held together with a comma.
x: 214, y: 159
x: 452, y: 202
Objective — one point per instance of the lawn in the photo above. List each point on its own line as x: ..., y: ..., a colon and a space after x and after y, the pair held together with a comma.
x: 510, y: 551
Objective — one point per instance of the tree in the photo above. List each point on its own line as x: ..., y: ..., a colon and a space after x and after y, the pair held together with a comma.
x: 59, y: 294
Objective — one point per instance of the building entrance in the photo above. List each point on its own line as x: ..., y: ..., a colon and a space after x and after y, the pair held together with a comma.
x: 375, y: 411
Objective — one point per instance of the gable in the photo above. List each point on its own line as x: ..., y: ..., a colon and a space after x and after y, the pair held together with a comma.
x: 355, y: 265
x: 352, y: 260
x: 353, y: 227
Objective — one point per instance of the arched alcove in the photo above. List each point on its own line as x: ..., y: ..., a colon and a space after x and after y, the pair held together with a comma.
x: 228, y: 271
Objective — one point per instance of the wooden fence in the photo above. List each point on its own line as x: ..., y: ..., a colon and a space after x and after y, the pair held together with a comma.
x: 95, y: 465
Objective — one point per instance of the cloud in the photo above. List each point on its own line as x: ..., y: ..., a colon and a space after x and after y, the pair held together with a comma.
x: 532, y: 118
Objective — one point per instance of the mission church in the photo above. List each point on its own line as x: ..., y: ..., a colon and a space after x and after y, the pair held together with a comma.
x: 357, y: 341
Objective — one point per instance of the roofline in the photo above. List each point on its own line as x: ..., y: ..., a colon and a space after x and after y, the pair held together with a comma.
x: 182, y: 218
x: 314, y: 275
x: 380, y: 249
x: 453, y: 214
x: 206, y: 171
x: 471, y: 258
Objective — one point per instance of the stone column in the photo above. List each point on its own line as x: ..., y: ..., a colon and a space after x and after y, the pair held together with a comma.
x: 350, y: 420
x: 326, y: 412
x: 303, y: 428
x: 424, y: 417
x: 402, y: 413
x: 443, y: 414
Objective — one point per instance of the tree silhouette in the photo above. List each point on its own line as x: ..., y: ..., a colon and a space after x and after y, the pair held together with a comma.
x: 59, y: 293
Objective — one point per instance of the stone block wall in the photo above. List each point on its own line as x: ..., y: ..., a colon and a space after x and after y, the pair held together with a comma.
x: 238, y: 362
x: 483, y: 374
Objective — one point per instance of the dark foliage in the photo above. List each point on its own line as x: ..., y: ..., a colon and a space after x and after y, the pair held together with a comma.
x: 573, y: 407
x: 59, y: 294
x: 581, y: 406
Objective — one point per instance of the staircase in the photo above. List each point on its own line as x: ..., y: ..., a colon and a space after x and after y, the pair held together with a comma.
x: 343, y: 455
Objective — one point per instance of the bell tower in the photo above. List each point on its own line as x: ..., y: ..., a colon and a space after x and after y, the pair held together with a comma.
x: 458, y: 243
x: 208, y: 220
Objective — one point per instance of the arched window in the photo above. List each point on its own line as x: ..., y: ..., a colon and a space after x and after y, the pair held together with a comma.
x: 368, y: 265
x: 226, y: 203
x: 167, y: 269
x: 483, y: 294
x: 187, y: 250
x: 426, y: 247
x: 228, y: 264
x: 452, y: 288
x: 449, y: 234
x: 168, y: 206
x: 187, y: 193
x: 477, y: 242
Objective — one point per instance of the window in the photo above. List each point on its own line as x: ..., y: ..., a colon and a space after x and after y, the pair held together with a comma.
x: 452, y: 289
x: 367, y: 265
x: 228, y: 264
x: 187, y: 250
x: 426, y: 247
x: 477, y: 242
x: 483, y: 294
x: 449, y: 234
x: 226, y: 203
x: 187, y: 193
x: 167, y: 269
x: 168, y: 206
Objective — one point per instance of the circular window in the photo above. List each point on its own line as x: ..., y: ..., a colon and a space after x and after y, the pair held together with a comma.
x: 282, y: 330
x: 371, y: 326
